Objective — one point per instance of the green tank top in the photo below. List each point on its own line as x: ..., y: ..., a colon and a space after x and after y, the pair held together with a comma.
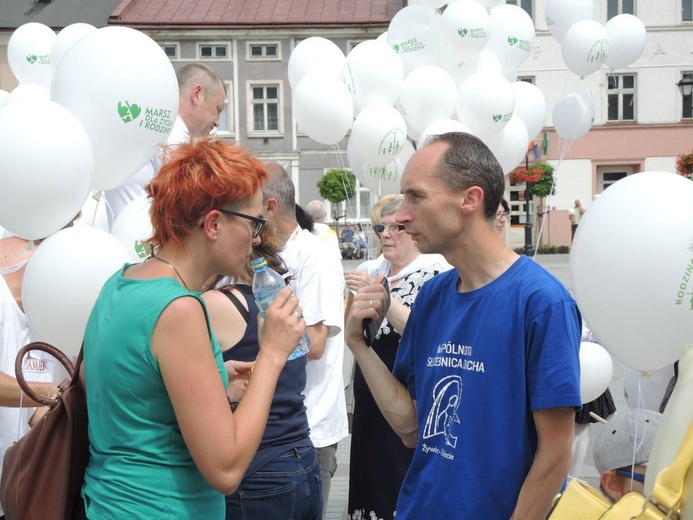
x: 139, y: 465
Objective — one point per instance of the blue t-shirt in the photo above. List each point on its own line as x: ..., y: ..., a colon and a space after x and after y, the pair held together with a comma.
x: 287, y: 423
x: 139, y: 464
x: 478, y: 363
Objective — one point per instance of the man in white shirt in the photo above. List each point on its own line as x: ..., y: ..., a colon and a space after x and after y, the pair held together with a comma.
x: 317, y: 278
x: 316, y: 209
x: 201, y: 98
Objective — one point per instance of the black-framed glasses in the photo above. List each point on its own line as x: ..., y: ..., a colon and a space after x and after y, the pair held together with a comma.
x: 638, y: 477
x: 259, y: 221
x: 502, y: 214
x: 391, y: 228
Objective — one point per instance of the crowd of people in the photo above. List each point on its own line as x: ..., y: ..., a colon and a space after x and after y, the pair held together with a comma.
x: 195, y: 410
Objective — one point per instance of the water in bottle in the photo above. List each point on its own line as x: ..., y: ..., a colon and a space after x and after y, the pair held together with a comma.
x: 266, y: 284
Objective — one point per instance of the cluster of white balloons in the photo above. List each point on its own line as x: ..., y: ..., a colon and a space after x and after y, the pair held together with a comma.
x: 92, y: 107
x: 586, y: 45
x: 430, y: 73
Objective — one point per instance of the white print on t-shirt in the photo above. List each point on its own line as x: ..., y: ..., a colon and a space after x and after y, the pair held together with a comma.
x: 447, y: 396
x: 450, y: 355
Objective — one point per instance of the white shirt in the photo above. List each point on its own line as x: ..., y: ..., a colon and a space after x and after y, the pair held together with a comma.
x: 15, y: 332
x: 132, y: 188
x: 329, y: 235
x: 317, y: 278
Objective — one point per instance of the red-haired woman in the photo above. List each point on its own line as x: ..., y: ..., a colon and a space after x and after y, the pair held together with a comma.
x: 164, y: 441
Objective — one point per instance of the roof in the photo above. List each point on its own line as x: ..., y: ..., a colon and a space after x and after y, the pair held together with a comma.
x: 55, y: 13
x: 233, y: 14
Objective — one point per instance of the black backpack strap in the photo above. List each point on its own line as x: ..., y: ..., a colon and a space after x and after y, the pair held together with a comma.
x: 237, y: 303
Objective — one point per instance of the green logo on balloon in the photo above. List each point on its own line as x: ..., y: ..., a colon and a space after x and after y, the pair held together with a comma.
x: 143, y: 250
x: 462, y: 32
x: 396, y: 48
x: 128, y: 112
x: 512, y: 40
x: 497, y: 117
x: 31, y: 58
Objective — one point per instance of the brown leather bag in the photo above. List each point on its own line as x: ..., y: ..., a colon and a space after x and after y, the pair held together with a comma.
x: 42, y: 472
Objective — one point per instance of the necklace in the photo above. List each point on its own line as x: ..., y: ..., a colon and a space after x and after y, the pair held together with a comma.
x: 499, y: 258
x: 174, y: 269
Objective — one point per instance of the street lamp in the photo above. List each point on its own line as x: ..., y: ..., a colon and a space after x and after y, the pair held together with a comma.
x: 686, y: 89
x: 529, y: 248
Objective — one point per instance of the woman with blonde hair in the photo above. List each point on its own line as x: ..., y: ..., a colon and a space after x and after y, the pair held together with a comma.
x: 164, y: 441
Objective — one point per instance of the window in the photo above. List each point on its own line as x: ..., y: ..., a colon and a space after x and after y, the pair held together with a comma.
x: 524, y: 4
x: 526, y: 79
x: 226, y: 116
x: 353, y: 43
x: 616, y: 7
x: 687, y: 10
x: 172, y: 50
x: 263, y: 51
x: 608, y: 175
x: 518, y: 208
x: 688, y: 100
x: 213, y: 51
x: 264, y: 108
x: 621, y: 97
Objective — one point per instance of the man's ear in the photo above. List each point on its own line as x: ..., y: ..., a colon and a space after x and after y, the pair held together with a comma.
x: 472, y: 198
x: 271, y: 206
x: 612, y: 485
x: 196, y: 95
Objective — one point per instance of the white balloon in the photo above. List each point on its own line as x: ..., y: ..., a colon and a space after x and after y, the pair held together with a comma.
x: 428, y: 94
x: 315, y: 54
x: 381, y: 180
x: 29, y: 53
x: 439, y: 127
x: 323, y: 108
x: 530, y: 106
x: 379, y: 133
x: 627, y: 40
x: 465, y: 27
x: 94, y: 212
x: 485, y: 61
x: 412, y: 33
x: 488, y: 4
x: 596, y: 370
x: 485, y: 103
x: 561, y: 14
x: 573, y: 116
x: 46, y: 167
x: 133, y: 226
x: 585, y: 47
x: 509, y: 145
x: 66, y: 38
x: 646, y: 389
x: 29, y: 92
x: 619, y: 283
x: 62, y: 282
x: 373, y: 73
x: 512, y: 36
x: 382, y: 38
x: 127, y: 106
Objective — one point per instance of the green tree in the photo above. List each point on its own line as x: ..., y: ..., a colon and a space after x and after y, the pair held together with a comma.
x: 545, y: 186
x: 337, y: 185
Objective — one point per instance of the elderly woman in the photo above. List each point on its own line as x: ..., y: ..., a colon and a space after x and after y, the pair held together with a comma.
x: 379, y: 460
x: 164, y: 441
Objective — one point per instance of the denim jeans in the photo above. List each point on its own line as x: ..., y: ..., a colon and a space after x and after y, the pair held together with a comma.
x: 288, y: 488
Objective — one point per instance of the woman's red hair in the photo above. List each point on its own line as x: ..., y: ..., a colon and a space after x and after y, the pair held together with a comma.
x: 196, y: 178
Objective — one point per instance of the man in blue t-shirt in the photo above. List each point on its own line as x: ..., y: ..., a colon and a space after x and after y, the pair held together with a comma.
x: 486, y: 379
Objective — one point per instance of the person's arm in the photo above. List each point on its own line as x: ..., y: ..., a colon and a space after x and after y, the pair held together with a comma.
x: 551, y: 463
x: 221, y: 443
x: 397, y: 315
x: 11, y: 393
x: 318, y: 339
x: 391, y: 396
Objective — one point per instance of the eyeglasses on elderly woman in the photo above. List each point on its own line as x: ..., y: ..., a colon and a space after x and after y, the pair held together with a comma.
x: 391, y: 228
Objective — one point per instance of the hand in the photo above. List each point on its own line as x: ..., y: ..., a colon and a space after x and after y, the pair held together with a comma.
x: 239, y: 376
x: 282, y: 326
x: 355, y: 280
x: 368, y: 302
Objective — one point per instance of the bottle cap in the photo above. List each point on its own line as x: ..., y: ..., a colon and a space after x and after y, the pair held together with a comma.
x: 258, y: 264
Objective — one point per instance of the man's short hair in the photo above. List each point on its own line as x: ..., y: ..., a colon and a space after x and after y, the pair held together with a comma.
x: 199, y: 74
x: 280, y: 187
x: 613, y: 449
x: 468, y: 162
x: 316, y: 209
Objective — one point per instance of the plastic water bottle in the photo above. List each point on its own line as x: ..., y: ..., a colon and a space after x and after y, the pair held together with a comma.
x: 266, y: 284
